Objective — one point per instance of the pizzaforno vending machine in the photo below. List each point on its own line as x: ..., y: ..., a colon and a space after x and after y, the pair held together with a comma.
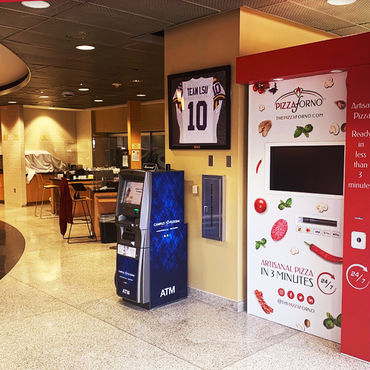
x: 151, y: 268
x: 296, y: 184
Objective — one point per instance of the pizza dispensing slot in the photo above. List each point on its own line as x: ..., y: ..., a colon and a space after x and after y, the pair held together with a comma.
x: 318, y: 221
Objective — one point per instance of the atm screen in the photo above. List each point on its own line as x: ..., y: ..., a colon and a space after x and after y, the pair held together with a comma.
x: 132, y: 192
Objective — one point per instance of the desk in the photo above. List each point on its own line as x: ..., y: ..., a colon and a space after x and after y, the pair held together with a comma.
x: 103, y: 202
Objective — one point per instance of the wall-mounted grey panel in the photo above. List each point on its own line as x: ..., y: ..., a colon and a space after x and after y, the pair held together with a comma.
x: 212, y: 207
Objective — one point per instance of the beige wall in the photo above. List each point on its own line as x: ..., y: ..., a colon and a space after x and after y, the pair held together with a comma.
x: 220, y: 267
x: 83, y: 136
x: 214, y: 41
x: 261, y: 32
x: 51, y: 130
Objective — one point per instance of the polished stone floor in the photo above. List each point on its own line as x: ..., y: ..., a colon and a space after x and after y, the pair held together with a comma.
x: 59, y: 310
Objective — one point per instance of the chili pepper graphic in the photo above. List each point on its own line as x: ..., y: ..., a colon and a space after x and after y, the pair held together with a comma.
x: 326, y: 256
x: 258, y: 165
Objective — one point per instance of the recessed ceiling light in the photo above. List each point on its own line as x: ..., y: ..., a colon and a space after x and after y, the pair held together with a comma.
x: 36, y: 4
x: 68, y: 94
x: 140, y: 95
x: 136, y: 81
x: 98, y: 100
x: 83, y: 89
x: 336, y: 70
x: 44, y: 96
x: 278, y: 79
x: 340, y: 2
x: 85, y: 47
x: 12, y: 102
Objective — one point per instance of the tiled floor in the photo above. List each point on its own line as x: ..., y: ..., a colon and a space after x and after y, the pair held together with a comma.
x: 59, y: 310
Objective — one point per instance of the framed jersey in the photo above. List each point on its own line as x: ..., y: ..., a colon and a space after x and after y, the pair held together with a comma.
x: 199, y: 109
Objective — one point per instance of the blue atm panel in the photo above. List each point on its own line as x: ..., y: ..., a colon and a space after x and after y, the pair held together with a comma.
x: 167, y: 197
x: 127, y: 277
x: 168, y: 265
x: 168, y: 239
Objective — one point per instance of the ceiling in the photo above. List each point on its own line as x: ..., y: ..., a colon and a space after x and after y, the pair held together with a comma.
x: 128, y: 38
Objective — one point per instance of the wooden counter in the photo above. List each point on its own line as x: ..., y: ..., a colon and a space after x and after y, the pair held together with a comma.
x: 33, y: 193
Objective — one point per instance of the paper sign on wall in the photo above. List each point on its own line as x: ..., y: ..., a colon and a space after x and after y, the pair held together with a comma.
x: 135, y: 157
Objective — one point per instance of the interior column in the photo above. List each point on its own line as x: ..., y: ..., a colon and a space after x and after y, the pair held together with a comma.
x: 12, y: 130
x: 134, y: 133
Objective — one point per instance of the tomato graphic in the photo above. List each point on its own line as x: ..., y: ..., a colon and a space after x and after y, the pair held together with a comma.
x: 260, y: 205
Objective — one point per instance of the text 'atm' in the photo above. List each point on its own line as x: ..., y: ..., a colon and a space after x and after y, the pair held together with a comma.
x: 151, y: 268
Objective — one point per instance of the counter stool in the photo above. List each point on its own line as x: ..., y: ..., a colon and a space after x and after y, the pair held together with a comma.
x: 41, y: 187
x: 84, y: 219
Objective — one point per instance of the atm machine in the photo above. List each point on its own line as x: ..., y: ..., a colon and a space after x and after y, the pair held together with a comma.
x: 151, y: 268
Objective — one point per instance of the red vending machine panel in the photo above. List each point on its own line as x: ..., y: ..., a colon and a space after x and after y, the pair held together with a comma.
x: 356, y: 240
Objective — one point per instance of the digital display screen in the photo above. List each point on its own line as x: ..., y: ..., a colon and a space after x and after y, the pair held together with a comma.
x: 133, y: 192
x: 317, y: 169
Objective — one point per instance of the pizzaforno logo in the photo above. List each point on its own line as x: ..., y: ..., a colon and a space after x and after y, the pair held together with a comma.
x: 299, y: 98
x: 167, y: 291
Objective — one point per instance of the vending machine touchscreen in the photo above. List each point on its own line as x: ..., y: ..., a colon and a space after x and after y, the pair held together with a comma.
x: 151, y: 267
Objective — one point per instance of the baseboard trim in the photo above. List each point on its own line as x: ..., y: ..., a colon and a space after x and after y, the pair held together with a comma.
x: 217, y: 300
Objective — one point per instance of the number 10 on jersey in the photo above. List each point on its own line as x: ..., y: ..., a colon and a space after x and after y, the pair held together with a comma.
x: 200, y: 113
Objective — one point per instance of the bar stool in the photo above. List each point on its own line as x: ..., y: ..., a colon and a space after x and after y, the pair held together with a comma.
x: 84, y: 219
x: 41, y: 187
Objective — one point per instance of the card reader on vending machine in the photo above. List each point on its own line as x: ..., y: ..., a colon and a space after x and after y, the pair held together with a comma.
x: 151, y: 268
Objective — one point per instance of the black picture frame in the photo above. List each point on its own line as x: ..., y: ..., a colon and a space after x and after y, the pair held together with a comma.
x: 215, y: 136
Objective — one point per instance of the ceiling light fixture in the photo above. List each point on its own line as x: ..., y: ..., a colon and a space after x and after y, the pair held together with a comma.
x: 136, y: 81
x: 85, y: 47
x: 44, y: 96
x: 36, y: 4
x: 98, y: 100
x: 68, y: 94
x: 340, y: 2
x: 140, y: 95
x: 336, y: 70
x: 12, y: 102
x: 278, y: 79
x: 83, y: 89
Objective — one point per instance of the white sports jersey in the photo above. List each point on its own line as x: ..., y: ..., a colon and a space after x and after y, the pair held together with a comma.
x: 198, y: 105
